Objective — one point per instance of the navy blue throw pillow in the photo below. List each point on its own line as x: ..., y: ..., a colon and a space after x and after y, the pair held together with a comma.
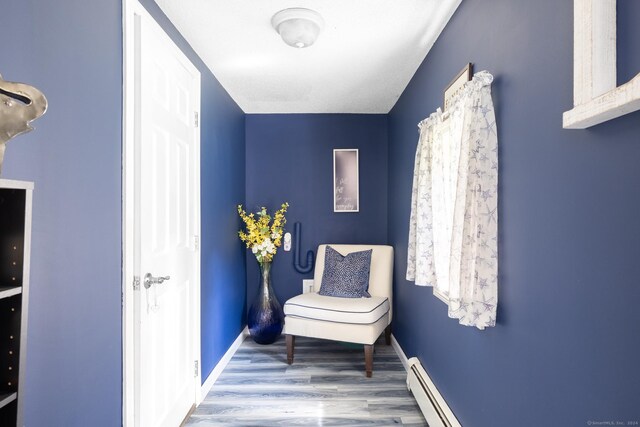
x: 346, y: 276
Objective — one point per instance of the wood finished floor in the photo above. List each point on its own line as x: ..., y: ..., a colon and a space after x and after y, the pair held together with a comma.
x: 325, y: 386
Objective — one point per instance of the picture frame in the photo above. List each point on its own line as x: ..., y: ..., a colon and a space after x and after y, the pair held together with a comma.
x: 456, y: 85
x: 346, y: 180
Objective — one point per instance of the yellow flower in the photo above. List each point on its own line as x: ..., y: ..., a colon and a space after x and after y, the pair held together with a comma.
x: 258, y: 231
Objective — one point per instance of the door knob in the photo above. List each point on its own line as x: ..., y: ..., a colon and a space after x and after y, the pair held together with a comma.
x: 150, y: 280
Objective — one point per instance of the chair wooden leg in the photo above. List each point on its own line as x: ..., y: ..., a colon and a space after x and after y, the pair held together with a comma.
x: 387, y: 335
x: 368, y: 359
x: 291, y: 342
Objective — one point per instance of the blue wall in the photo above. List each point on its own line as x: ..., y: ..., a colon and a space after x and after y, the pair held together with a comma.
x: 72, y: 51
x: 566, y: 345
x: 290, y: 158
x: 565, y: 350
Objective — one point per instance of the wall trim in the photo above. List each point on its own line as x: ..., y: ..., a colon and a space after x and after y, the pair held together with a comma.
x: 438, y: 396
x: 400, y: 352
x: 224, y: 361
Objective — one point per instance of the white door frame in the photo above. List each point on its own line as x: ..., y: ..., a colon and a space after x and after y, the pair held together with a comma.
x: 132, y: 11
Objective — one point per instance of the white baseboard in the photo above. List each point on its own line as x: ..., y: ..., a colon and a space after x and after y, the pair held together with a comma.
x: 400, y: 353
x: 213, y: 376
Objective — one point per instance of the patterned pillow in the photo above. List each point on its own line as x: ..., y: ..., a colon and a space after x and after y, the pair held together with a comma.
x: 346, y: 276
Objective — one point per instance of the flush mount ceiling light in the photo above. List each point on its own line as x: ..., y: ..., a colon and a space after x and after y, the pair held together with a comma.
x: 297, y: 26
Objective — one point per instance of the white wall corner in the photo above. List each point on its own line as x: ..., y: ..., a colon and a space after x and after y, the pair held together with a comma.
x: 224, y: 361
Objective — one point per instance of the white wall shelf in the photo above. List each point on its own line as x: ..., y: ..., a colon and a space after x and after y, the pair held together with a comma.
x: 596, y: 96
x: 6, y: 292
x: 6, y: 398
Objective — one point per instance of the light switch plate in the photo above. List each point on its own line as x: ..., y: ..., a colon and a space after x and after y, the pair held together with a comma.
x: 307, y: 286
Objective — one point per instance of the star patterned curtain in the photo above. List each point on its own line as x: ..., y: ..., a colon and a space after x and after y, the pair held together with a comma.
x: 453, y: 230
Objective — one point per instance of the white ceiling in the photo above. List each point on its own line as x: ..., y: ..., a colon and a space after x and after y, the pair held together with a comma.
x: 362, y: 61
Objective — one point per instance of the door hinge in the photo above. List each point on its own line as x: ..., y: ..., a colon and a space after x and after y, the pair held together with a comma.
x: 196, y: 242
x: 196, y: 119
x: 136, y: 283
x: 195, y: 366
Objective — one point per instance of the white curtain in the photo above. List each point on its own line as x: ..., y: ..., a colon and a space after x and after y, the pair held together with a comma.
x: 453, y: 231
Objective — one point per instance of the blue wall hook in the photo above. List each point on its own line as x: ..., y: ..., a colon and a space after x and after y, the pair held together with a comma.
x: 296, y: 248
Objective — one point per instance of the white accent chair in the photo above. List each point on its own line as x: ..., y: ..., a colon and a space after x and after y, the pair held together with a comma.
x: 353, y: 320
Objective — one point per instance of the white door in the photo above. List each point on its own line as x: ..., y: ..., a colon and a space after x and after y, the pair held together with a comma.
x: 166, y: 228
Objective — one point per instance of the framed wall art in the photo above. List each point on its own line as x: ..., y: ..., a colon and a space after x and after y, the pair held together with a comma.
x: 346, y: 192
x: 456, y: 85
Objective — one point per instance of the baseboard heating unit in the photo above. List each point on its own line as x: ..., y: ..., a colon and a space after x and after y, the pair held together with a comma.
x: 433, y: 407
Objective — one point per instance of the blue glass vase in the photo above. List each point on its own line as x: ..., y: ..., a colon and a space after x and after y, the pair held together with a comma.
x: 266, y: 318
